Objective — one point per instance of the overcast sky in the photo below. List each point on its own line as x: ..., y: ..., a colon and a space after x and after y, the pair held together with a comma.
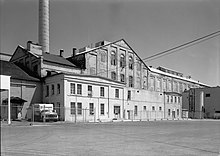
x: 149, y: 27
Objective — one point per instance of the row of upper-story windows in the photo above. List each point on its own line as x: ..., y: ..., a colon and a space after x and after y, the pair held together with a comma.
x: 159, y: 84
x: 50, y: 89
x: 153, y: 108
x: 173, y: 99
x: 77, y: 89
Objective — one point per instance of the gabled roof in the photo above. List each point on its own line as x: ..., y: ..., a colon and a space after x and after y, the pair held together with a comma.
x: 121, y: 42
x: 10, y: 69
x: 56, y: 59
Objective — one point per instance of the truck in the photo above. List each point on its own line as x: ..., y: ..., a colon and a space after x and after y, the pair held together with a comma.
x: 42, y: 112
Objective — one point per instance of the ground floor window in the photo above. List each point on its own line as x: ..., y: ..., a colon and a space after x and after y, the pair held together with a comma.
x: 72, y: 108
x: 135, y: 110
x: 168, y: 112
x: 91, y: 108
x: 178, y: 112
x: 79, y: 108
x: 102, y: 109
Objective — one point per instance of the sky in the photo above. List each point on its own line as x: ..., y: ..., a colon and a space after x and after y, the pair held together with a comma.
x: 148, y: 26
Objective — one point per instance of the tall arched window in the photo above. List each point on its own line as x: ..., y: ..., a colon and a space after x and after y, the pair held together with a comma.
x: 131, y: 61
x: 113, y: 58
x: 131, y: 81
x: 122, y: 60
x: 113, y: 75
x: 103, y: 56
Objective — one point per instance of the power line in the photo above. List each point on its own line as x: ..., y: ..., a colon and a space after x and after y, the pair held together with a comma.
x: 182, y: 46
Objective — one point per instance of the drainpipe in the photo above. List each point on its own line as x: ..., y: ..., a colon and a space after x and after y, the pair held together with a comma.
x: 164, y: 105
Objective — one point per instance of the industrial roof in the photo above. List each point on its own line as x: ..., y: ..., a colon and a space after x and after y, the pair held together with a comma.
x: 10, y: 69
x: 57, y: 60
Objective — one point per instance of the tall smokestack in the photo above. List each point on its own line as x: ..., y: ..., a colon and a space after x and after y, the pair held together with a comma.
x: 44, y: 25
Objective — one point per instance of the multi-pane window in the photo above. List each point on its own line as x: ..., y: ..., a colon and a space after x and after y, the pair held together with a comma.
x: 178, y: 112
x: 152, y: 83
x: 72, y: 88
x: 122, y: 77
x: 164, y: 85
x: 52, y: 89
x: 117, y: 93
x: 102, y: 109
x: 47, y: 91
x: 103, y: 56
x: 169, y: 86
x: 171, y: 100
x: 102, y: 91
x: 58, y: 88
x: 153, y: 108
x: 135, y: 110
x: 129, y: 95
x: 145, y: 108
x: 131, y: 62
x: 175, y: 99
x: 168, y: 98
x: 79, y: 108
x: 89, y: 90
x: 138, y: 80
x: 91, y: 108
x: 160, y: 108
x: 131, y: 81
x: 178, y: 99
x: 122, y: 60
x: 138, y: 65
x: 113, y: 75
x: 79, y: 89
x: 72, y: 108
x: 168, y: 112
x: 158, y: 84
x: 113, y: 57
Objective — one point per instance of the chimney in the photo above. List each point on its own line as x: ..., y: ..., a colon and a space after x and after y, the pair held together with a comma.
x: 43, y: 29
x: 61, y: 52
x: 74, y: 52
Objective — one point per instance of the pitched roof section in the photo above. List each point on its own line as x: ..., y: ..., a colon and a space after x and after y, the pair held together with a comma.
x: 10, y: 69
x: 57, y: 60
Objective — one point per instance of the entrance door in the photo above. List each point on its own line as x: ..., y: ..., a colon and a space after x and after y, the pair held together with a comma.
x: 129, y: 114
x: 117, y: 111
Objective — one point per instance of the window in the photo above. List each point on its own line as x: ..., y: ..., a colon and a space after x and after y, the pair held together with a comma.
x: 152, y: 83
x: 158, y: 84
x: 102, y: 107
x: 171, y: 100
x: 122, y: 61
x: 138, y: 65
x: 138, y: 80
x: 168, y: 99
x: 207, y: 95
x: 164, y: 85
x: 135, y: 110
x: 103, y: 56
x: 102, y: 91
x: 168, y: 112
x: 160, y: 108
x: 129, y: 95
x: 79, y: 89
x: 145, y: 108
x: 47, y: 90
x: 116, y: 93
x: 79, y: 108
x: 58, y: 88
x: 92, y: 71
x: 145, y: 82
x: 130, y: 59
x: 72, y: 108
x: 131, y: 81
x: 178, y: 99
x: 169, y: 86
x: 122, y: 77
x: 113, y: 57
x: 52, y: 89
x: 178, y: 112
x: 89, y: 90
x: 153, y: 108
x: 72, y: 88
x: 91, y: 108
x: 175, y: 99
x: 113, y: 75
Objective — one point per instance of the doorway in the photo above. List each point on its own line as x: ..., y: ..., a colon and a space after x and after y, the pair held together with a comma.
x: 117, y: 112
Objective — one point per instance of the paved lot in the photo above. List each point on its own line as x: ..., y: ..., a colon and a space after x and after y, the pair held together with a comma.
x: 157, y: 138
